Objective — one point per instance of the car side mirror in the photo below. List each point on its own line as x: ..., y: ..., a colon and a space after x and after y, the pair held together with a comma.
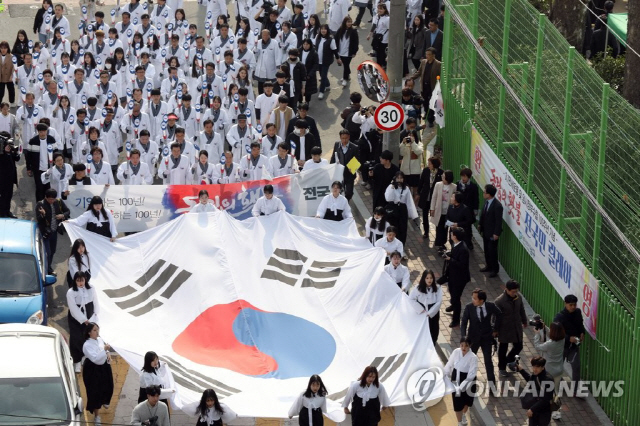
x: 50, y: 280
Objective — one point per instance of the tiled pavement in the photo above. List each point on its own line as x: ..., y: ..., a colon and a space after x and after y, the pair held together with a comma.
x: 506, y: 411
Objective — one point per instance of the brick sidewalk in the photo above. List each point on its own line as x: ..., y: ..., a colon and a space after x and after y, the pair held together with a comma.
x: 505, y: 410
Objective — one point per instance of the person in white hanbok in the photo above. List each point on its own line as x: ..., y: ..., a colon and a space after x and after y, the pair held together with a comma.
x: 427, y: 297
x: 376, y: 226
x: 134, y: 171
x: 175, y: 169
x: 367, y: 397
x: 334, y: 206
x: 462, y: 368
x: 398, y: 196
x: 311, y: 404
x: 398, y: 272
x: 204, y: 204
x: 390, y: 243
x: 96, y: 372
x: 100, y: 171
x: 227, y: 172
x: 315, y: 162
x: 202, y: 171
x: 83, y: 308
x: 267, y: 204
x: 254, y: 166
x: 211, y: 412
x: 154, y: 373
x: 58, y: 175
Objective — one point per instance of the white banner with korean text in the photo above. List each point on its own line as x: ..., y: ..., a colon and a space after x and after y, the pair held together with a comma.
x: 141, y: 207
x: 562, y: 267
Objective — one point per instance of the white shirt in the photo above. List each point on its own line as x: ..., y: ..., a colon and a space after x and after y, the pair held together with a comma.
x: 343, y: 51
x: 401, y: 196
x: 482, y: 308
x: 73, y: 265
x: 154, y: 379
x: 213, y: 415
x: 311, y: 165
x: 88, y: 216
x: 82, y: 297
x: 329, y: 202
x: 200, y: 208
x: 366, y: 393
x: 312, y: 403
x: 428, y: 298
x: 467, y: 363
x: 390, y: 246
x: 94, y: 350
x: 374, y: 234
x: 266, y: 206
x: 399, y: 275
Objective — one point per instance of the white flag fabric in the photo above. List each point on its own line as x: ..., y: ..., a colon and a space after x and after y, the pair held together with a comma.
x: 437, y: 105
x: 253, y: 308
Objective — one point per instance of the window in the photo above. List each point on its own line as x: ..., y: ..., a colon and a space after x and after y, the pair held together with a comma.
x: 18, y: 273
x: 33, y: 397
x: 40, y: 256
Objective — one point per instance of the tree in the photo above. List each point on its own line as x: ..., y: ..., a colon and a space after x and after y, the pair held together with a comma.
x: 569, y: 18
x: 631, y: 79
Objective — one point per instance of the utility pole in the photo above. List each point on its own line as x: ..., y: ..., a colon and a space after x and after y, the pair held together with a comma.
x: 395, y: 57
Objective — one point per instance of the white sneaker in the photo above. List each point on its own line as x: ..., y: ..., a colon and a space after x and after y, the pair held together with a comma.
x: 464, y: 419
x: 320, y: 95
x: 556, y: 415
x: 344, y: 83
x: 105, y: 406
x: 97, y: 420
x: 77, y: 367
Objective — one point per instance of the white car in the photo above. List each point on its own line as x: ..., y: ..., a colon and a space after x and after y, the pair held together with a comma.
x: 37, y: 382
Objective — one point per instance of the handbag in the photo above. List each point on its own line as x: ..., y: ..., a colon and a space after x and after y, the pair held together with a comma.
x: 555, y: 403
x: 376, y: 41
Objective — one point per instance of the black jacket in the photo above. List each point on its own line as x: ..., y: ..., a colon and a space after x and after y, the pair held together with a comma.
x: 353, y: 40
x: 18, y: 50
x: 37, y: 22
x: 437, y: 44
x: 313, y: 127
x: 8, y: 171
x: 297, y: 26
x: 380, y: 181
x: 461, y: 215
x: 32, y: 152
x: 544, y: 386
x: 470, y: 194
x: 309, y: 142
x: 479, y: 331
x: 44, y: 221
x: 327, y: 53
x: 459, y: 274
x: 299, y: 75
x: 311, y: 65
x: 572, y: 323
x: 352, y: 152
x: 491, y: 219
x: 425, y: 190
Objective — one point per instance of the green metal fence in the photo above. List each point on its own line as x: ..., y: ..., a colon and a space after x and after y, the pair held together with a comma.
x: 596, y: 131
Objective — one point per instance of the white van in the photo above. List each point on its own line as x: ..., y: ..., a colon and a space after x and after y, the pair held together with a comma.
x: 37, y: 382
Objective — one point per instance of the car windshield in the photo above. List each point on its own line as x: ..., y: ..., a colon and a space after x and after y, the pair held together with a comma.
x: 18, y: 273
x: 42, y: 401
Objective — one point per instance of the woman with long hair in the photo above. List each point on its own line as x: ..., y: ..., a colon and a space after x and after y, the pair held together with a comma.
x: 428, y: 298
x: 440, y: 200
x: 309, y: 57
x: 367, y: 397
x: 416, y: 43
x: 431, y: 175
x: 400, y: 204
x: 179, y: 20
x: 153, y: 374
x: 97, y: 219
x: 96, y: 373
x: 311, y: 403
x: 243, y: 79
x: 211, y: 411
x: 313, y: 28
x: 228, y: 100
x: 39, y: 25
x: 462, y: 368
x: 77, y: 54
x: 327, y: 51
x: 20, y: 47
x: 347, y: 45
x: 244, y: 24
x: 83, y: 309
x: 79, y: 261
x: 61, y: 115
x: 7, y: 73
x: 380, y: 33
x: 375, y: 227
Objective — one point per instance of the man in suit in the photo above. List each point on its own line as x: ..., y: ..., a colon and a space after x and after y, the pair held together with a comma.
x: 435, y: 37
x: 50, y: 213
x: 303, y: 142
x: 479, y: 315
x: 457, y: 274
x: 428, y: 74
x: 8, y: 175
x: 343, y: 152
x: 491, y: 228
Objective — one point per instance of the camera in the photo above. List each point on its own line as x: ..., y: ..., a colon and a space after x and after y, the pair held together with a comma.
x: 153, y: 421
x: 4, y: 142
x: 513, y: 366
x: 536, y: 322
x: 267, y: 6
x: 577, y: 342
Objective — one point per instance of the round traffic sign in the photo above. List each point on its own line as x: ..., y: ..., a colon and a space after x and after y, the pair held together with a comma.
x: 389, y: 116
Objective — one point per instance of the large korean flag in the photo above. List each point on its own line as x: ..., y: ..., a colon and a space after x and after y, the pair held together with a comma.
x: 253, y: 308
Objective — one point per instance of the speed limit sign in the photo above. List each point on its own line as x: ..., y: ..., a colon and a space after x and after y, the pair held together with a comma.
x: 389, y: 116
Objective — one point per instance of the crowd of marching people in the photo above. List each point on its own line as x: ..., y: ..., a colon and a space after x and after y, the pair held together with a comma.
x: 151, y: 98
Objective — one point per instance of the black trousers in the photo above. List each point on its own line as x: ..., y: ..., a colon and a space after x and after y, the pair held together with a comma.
x: 505, y: 358
x: 381, y: 54
x: 11, y: 89
x: 346, y: 70
x: 486, y: 346
x: 361, y: 11
x: 40, y: 187
x: 491, y: 254
x: 6, y: 193
x: 455, y: 291
x: 425, y: 220
x: 441, y: 231
x: 348, y: 184
x: 540, y: 419
x: 434, y: 328
x: 50, y: 244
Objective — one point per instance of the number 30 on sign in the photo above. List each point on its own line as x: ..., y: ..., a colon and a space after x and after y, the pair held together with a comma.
x: 389, y: 116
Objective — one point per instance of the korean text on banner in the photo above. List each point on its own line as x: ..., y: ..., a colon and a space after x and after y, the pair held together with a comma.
x: 547, y: 248
x: 141, y: 207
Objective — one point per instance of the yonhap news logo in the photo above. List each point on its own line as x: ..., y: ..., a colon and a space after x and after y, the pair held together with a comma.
x: 426, y: 387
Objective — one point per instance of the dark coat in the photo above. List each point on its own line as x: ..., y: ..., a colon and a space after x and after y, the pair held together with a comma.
x: 479, y: 331
x: 311, y: 65
x: 572, y: 323
x: 32, y: 152
x: 309, y: 142
x: 425, y: 191
x: 463, y: 216
x: 459, y: 274
x: 44, y: 222
x: 18, y: 50
x: 299, y: 75
x: 437, y: 43
x: 470, y: 194
x: 8, y: 171
x: 544, y: 387
x: 328, y: 54
x: 353, y: 40
x: 416, y: 42
x: 380, y: 181
x: 513, y: 318
x: 491, y: 219
x: 352, y: 152
x: 313, y: 127
x: 297, y: 27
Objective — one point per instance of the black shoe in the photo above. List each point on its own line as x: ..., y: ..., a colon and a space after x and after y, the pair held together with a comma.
x: 431, y: 124
x: 425, y: 236
x: 485, y: 269
x: 493, y: 275
x: 449, y: 309
x: 454, y: 325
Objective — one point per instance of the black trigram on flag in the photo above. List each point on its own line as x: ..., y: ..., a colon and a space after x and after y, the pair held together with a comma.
x: 291, y: 267
x: 195, y: 381
x: 160, y: 276
x: 386, y: 367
